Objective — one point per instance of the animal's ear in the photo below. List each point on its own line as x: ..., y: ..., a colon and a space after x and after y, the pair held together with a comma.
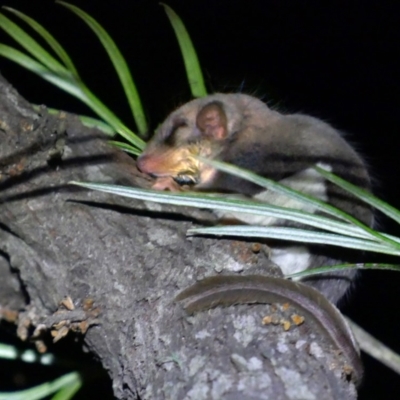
x: 212, y: 122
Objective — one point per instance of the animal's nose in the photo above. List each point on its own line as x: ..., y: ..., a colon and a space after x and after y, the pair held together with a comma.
x: 141, y: 164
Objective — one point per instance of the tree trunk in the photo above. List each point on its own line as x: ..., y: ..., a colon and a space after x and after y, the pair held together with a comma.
x: 122, y: 262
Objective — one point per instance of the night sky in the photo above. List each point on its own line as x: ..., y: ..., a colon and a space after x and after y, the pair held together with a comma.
x: 335, y: 60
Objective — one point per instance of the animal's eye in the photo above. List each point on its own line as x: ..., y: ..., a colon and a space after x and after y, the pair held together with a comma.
x: 179, y: 123
x: 173, y: 135
x: 184, y: 180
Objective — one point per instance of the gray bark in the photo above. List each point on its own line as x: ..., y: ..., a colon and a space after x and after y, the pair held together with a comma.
x: 132, y: 258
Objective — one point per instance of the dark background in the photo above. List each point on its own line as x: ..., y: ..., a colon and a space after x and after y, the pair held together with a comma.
x: 335, y: 60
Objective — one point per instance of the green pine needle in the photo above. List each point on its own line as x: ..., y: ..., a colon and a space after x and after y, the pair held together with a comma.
x: 362, y: 194
x: 46, y: 389
x: 51, y: 41
x: 33, y: 47
x: 342, y: 267
x: 190, y: 59
x: 119, y: 63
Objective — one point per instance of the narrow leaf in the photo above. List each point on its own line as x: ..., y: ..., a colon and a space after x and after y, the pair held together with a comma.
x: 362, y: 194
x: 64, y: 84
x: 29, y: 356
x: 339, y: 267
x: 52, y: 71
x: 306, y: 199
x: 32, y: 46
x: 231, y: 205
x: 67, y: 392
x: 32, y: 65
x: 125, y: 147
x: 375, y: 348
x: 96, y: 123
x: 296, y: 235
x: 119, y: 64
x: 72, y: 87
x: 190, y: 59
x: 51, y: 41
x: 43, y: 390
x: 109, y: 117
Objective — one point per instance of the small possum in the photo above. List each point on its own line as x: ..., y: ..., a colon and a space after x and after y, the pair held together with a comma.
x: 241, y: 130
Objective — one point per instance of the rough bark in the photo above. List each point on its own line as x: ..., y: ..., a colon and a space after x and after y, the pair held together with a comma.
x: 122, y: 262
